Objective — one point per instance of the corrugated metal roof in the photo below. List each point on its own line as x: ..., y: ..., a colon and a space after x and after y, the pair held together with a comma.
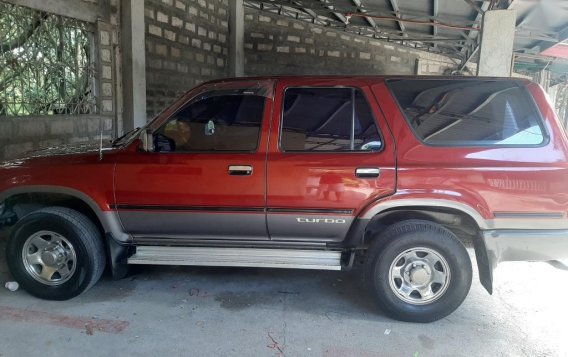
x: 449, y: 27
x: 560, y: 50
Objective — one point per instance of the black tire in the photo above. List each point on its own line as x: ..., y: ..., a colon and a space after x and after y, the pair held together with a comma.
x: 79, y: 233
x: 403, y: 243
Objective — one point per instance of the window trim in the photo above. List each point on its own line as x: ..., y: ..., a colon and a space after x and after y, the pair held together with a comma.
x: 203, y: 96
x: 350, y: 152
x: 524, y: 91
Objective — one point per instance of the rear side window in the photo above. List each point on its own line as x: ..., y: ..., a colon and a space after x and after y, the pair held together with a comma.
x: 328, y: 119
x: 469, y: 112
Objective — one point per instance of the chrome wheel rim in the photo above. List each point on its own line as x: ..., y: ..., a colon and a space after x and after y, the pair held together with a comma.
x: 49, y: 258
x: 419, y: 276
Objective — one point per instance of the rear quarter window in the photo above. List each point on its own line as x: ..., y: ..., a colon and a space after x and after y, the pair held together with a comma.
x: 469, y: 112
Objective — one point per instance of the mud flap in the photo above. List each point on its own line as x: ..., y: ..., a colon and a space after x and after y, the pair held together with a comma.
x: 118, y: 254
x: 483, y: 265
x: 8, y: 218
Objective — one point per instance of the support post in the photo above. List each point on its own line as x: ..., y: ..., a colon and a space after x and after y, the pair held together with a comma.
x: 236, y: 38
x: 133, y: 64
x: 497, y: 37
x: 543, y: 77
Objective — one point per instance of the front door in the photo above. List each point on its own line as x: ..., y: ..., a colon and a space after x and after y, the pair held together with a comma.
x: 330, y: 155
x: 205, y: 178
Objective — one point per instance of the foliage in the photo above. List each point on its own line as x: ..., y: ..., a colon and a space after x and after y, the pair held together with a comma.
x: 46, y: 64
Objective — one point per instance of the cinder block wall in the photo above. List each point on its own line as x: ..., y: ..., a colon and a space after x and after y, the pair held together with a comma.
x: 277, y: 45
x: 20, y: 135
x: 186, y: 44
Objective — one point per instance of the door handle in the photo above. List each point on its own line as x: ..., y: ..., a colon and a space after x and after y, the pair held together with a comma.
x: 240, y: 170
x: 367, y: 172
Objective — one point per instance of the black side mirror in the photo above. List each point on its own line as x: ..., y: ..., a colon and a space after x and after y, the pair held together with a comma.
x: 163, y: 144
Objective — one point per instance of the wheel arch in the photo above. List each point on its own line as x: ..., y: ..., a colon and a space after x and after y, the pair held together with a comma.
x: 455, y: 220
x: 45, y: 195
x: 427, y: 204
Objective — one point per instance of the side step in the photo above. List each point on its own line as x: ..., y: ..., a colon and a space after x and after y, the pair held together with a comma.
x: 238, y: 257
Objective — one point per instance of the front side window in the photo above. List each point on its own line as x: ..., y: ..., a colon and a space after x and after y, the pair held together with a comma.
x: 328, y: 119
x: 469, y: 112
x: 215, y: 123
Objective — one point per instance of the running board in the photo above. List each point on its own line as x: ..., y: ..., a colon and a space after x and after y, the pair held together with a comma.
x: 238, y: 257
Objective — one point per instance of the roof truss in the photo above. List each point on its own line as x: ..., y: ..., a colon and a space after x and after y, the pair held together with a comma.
x: 391, y: 23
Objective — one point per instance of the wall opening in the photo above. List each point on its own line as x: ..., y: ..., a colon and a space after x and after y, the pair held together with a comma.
x: 47, y: 64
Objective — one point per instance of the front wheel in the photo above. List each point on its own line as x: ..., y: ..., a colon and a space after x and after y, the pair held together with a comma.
x: 418, y: 271
x: 55, y: 253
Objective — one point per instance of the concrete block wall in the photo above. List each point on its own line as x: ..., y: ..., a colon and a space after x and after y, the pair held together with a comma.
x: 107, y: 77
x: 432, y: 64
x: 277, y: 45
x: 186, y: 44
x: 20, y: 135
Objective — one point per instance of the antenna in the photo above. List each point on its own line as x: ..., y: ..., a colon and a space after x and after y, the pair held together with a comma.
x: 101, y: 138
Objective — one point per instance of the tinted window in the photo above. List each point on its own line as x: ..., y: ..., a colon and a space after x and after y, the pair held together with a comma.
x: 217, y: 123
x: 328, y: 119
x: 468, y: 112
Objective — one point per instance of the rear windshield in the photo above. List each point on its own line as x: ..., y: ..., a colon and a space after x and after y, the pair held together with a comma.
x: 469, y: 112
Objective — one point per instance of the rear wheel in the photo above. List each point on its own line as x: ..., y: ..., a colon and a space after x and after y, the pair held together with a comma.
x: 418, y: 271
x: 55, y: 253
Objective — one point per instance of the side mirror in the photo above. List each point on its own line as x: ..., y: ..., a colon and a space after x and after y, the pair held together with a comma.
x: 372, y: 146
x: 146, y: 143
x: 163, y: 144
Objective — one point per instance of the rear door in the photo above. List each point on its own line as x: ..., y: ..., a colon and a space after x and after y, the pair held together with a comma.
x: 206, y: 177
x: 330, y: 154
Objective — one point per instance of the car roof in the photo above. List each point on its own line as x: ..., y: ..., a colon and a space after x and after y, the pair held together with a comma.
x: 371, y: 78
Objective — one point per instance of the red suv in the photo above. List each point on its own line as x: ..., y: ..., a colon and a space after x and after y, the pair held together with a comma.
x: 308, y: 173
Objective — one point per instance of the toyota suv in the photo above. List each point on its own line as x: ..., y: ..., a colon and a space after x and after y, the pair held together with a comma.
x: 305, y: 173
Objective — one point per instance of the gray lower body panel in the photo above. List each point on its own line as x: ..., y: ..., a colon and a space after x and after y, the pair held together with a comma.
x: 313, y: 227
x: 195, y: 225
x: 238, y: 257
x: 525, y: 245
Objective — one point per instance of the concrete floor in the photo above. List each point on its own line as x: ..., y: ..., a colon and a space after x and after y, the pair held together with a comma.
x: 189, y: 311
